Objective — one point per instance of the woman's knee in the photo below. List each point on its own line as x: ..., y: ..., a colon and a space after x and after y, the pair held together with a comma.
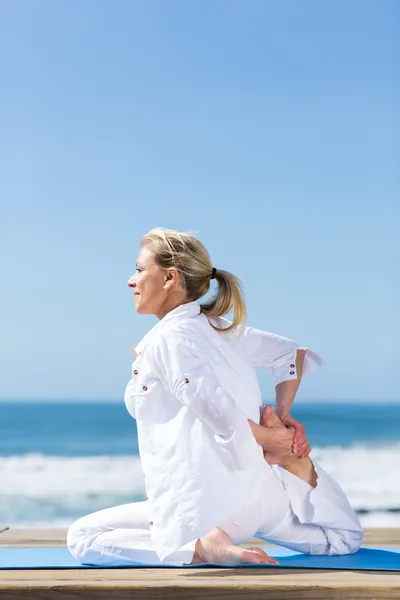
x: 80, y: 536
x: 354, y: 541
x: 345, y: 542
x: 74, y: 538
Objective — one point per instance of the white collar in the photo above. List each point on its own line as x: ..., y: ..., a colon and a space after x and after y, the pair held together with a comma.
x: 183, y: 311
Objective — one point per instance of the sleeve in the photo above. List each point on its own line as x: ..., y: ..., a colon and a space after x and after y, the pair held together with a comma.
x: 184, y: 365
x: 277, y: 354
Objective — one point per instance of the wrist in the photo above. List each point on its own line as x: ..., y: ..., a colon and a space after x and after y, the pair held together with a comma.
x: 282, y: 414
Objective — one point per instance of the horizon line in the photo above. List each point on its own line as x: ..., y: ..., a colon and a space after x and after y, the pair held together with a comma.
x: 6, y: 399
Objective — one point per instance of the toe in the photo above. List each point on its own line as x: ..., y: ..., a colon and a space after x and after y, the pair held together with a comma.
x: 267, y: 415
x: 251, y: 556
x: 270, y: 560
x: 261, y: 557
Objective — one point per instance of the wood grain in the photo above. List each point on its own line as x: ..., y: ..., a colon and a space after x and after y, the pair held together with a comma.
x: 53, y: 537
x: 168, y: 584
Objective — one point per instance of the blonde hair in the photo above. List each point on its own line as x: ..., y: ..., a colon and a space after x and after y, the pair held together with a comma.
x: 187, y: 254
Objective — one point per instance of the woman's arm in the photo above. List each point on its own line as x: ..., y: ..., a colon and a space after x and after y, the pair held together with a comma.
x: 285, y: 395
x: 183, y: 364
x: 288, y: 363
x: 279, y: 355
x: 287, y: 390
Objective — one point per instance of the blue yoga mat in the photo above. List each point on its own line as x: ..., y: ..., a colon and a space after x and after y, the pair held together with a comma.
x: 366, y: 559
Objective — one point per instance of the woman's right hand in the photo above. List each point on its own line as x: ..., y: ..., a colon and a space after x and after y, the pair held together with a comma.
x: 279, y: 443
x: 276, y: 441
x: 301, y: 446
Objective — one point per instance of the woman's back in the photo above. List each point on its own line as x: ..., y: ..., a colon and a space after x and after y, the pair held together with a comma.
x: 192, y: 392
x: 232, y: 365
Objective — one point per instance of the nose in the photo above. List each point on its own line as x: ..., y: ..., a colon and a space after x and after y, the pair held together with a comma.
x: 131, y: 282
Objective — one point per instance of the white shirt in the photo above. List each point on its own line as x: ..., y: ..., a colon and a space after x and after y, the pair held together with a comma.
x: 192, y: 392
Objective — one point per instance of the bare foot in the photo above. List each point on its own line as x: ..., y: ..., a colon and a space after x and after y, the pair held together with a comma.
x: 301, y: 467
x: 217, y: 547
x: 269, y: 418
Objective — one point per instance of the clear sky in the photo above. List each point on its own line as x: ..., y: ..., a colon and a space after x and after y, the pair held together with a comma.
x: 269, y: 128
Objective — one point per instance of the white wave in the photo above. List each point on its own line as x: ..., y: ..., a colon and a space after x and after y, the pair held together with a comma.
x: 382, y: 520
x: 37, y: 475
x: 367, y: 474
x: 50, y: 490
x: 53, y: 491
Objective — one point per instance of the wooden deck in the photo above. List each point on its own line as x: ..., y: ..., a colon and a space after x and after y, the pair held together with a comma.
x: 160, y: 584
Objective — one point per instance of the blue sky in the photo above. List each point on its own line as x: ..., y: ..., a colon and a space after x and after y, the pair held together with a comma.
x: 269, y: 128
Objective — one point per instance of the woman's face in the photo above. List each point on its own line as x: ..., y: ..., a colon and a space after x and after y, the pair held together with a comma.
x: 154, y: 288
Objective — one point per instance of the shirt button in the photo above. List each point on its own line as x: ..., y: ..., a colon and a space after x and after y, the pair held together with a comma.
x: 186, y: 380
x: 135, y: 372
x: 292, y: 366
x: 145, y: 388
x: 292, y: 372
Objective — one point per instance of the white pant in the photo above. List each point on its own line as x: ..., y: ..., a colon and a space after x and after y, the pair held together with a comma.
x: 288, y: 512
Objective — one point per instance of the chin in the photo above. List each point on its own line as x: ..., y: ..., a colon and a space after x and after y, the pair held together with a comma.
x: 140, y: 309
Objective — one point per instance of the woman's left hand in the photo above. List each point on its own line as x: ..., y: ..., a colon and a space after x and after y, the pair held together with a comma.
x: 301, y: 447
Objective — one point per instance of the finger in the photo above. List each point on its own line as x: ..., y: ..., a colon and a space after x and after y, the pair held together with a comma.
x: 299, y: 453
x: 301, y: 447
x: 294, y: 444
x: 300, y: 450
x: 300, y: 432
x: 300, y: 429
x: 298, y: 436
x: 306, y: 452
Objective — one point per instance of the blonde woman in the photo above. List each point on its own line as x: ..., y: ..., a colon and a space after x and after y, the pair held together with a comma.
x: 214, y: 476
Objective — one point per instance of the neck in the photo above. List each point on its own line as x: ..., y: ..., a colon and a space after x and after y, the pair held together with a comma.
x: 168, y: 306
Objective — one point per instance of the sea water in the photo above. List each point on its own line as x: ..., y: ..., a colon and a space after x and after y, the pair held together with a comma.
x: 62, y: 460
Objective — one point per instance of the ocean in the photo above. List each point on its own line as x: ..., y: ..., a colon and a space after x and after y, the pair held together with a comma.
x: 62, y: 460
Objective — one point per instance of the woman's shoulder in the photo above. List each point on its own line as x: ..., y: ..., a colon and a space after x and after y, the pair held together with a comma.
x: 195, y: 332
x: 178, y: 334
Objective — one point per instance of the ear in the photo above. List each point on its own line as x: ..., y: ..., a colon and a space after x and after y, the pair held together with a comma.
x: 172, y: 278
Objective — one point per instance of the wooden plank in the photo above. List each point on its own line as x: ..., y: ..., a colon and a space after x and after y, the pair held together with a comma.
x: 121, y: 584
x: 44, y: 537
x: 168, y: 584
x: 56, y: 537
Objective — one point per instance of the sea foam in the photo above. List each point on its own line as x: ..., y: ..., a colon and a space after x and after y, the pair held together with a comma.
x: 47, y: 490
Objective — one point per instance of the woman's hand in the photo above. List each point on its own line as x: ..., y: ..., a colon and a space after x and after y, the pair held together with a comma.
x: 280, y: 443
x: 301, y: 447
x: 276, y: 441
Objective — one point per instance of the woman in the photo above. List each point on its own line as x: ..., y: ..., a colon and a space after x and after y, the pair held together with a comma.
x: 207, y: 462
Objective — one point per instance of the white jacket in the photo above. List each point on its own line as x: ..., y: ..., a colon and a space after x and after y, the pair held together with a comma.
x: 192, y: 392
